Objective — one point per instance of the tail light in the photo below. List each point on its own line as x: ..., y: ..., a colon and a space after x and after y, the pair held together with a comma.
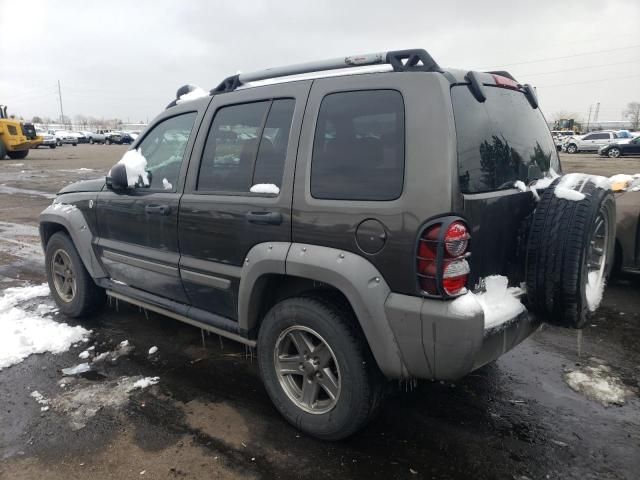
x: 442, y: 265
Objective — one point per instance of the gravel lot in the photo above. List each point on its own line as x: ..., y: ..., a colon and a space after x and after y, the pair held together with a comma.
x: 209, y: 417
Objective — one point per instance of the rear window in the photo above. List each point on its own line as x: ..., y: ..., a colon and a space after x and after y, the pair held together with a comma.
x: 500, y: 141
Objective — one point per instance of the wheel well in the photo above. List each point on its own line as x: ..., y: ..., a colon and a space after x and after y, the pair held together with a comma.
x: 273, y: 288
x: 47, y: 229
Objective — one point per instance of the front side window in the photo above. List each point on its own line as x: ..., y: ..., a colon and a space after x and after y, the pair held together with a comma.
x: 246, y: 148
x: 164, y: 147
x: 358, y: 149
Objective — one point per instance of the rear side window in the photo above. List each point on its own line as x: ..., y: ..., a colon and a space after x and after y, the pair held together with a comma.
x: 500, y: 141
x: 246, y: 146
x: 358, y: 149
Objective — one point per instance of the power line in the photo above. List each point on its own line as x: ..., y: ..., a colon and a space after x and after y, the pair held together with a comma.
x: 576, y: 68
x: 563, y: 57
x: 588, y: 81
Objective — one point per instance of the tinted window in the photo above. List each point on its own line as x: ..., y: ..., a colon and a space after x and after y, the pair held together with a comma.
x: 600, y: 136
x: 499, y: 140
x: 358, y: 149
x: 163, y: 147
x: 590, y: 137
x: 246, y: 145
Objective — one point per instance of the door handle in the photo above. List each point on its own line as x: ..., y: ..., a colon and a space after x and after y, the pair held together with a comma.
x: 158, y: 209
x: 264, y: 218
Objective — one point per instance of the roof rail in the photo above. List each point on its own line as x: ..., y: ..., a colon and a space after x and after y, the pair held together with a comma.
x: 415, y: 60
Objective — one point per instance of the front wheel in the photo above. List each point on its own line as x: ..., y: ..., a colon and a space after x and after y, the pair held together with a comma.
x: 59, y: 143
x: 317, y: 368
x: 572, y: 148
x: 91, y: 140
x: 614, y: 152
x: 52, y: 146
x: 18, y: 154
x: 72, y: 288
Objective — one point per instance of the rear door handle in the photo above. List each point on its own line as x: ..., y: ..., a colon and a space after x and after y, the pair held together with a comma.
x: 158, y: 209
x: 264, y: 218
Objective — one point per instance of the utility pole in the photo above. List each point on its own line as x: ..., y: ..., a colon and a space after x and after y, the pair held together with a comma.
x: 60, y: 97
x: 589, y: 118
x: 595, y: 115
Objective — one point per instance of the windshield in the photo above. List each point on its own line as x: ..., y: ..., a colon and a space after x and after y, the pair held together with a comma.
x: 501, y: 140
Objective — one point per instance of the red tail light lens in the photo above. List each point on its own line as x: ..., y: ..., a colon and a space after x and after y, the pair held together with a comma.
x: 505, y: 82
x: 442, y: 268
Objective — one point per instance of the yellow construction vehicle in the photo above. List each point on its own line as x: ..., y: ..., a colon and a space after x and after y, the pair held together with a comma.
x: 16, y: 138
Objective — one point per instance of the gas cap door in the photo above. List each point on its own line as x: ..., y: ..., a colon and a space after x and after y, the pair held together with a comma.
x: 371, y: 236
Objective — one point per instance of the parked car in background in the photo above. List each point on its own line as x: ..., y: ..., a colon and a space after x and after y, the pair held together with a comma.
x: 559, y: 136
x: 64, y: 136
x: 48, y: 140
x: 118, y: 138
x: 627, y: 251
x: 619, y: 148
x: 81, y: 137
x: 590, y: 142
x: 94, y: 137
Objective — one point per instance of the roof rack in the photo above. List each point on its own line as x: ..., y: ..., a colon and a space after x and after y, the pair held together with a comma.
x: 415, y: 60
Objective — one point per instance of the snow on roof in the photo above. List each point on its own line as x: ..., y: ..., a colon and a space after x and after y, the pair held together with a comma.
x: 193, y: 95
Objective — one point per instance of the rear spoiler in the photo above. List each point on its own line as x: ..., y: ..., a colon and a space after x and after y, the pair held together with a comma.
x: 502, y: 80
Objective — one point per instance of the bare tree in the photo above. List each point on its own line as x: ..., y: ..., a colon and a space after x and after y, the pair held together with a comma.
x: 36, y: 119
x: 633, y: 114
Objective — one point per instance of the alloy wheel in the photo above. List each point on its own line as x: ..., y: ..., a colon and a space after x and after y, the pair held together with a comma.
x: 64, y: 278
x: 307, y: 370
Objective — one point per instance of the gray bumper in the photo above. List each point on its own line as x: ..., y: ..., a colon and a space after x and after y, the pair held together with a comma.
x: 436, y: 344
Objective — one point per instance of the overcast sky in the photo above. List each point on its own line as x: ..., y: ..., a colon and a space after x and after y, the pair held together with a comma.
x: 126, y: 59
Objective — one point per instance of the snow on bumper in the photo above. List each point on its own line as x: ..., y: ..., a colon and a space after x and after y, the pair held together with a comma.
x: 446, y: 340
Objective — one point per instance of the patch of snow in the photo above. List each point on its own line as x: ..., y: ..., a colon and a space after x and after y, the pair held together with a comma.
x: 75, y: 370
x: 101, y: 357
x: 269, y: 188
x: 568, y: 194
x: 136, y: 165
x: 64, y: 208
x: 166, y: 184
x: 153, y: 350
x: 84, y: 355
x: 623, y: 181
x: 145, y: 382
x: 23, y: 333
x: 599, y: 384
x: 498, y: 302
x: 193, y: 95
x: 38, y: 397
x: 520, y: 185
x: 83, y: 401
x: 594, y: 291
x: 124, y: 343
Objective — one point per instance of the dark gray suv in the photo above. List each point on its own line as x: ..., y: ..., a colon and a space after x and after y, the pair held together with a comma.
x: 387, y: 220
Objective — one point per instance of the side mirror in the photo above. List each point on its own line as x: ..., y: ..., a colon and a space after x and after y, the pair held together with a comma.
x: 117, y: 178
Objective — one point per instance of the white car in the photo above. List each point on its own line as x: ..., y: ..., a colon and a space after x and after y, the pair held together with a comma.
x: 590, y: 142
x: 93, y: 137
x: 64, y: 136
x: 48, y: 140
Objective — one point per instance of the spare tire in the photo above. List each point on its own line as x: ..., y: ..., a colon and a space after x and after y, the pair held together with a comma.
x: 570, y: 251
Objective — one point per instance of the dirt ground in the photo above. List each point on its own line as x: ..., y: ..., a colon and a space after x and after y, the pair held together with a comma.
x: 209, y: 416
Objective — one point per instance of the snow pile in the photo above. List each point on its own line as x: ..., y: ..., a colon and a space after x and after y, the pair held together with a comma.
x: 144, y: 383
x: 598, y: 383
x: 622, y: 182
x: 136, y: 166
x: 571, y: 185
x: 498, y: 302
x: 38, y: 397
x: 75, y: 370
x: 124, y: 348
x: 193, y: 95
x: 84, y: 355
x: 64, y: 207
x: 153, y: 350
x: 594, y: 291
x: 24, y: 333
x: 269, y: 188
x: 166, y: 184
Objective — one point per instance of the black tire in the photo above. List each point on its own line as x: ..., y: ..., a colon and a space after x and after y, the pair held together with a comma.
x: 59, y: 143
x: 558, y: 250
x: 91, y: 140
x: 74, y: 144
x: 107, y: 142
x: 88, y: 297
x: 572, y: 148
x: 52, y: 146
x: 614, y: 152
x: 362, y: 386
x: 3, y: 151
x: 18, y: 154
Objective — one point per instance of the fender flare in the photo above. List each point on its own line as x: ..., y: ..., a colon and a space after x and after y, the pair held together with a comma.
x: 73, y: 221
x: 358, y: 280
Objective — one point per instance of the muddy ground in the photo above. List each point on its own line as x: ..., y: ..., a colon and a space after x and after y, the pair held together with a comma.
x: 209, y: 417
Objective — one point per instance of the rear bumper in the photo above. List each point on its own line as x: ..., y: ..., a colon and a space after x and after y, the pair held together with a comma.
x: 436, y: 344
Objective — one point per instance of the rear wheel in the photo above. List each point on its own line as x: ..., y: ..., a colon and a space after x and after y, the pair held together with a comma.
x: 18, y: 154
x: 572, y: 148
x: 570, y: 254
x: 91, y: 140
x: 316, y: 368
x: 71, y: 285
x: 3, y: 151
x: 52, y: 146
x: 59, y: 143
x: 614, y: 152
